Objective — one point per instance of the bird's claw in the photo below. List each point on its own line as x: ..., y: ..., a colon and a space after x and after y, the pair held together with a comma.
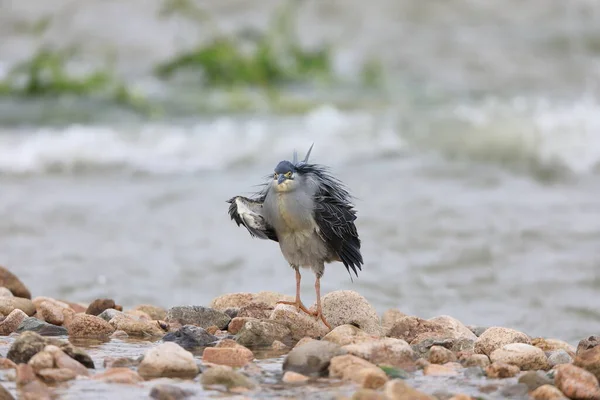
x: 298, y: 304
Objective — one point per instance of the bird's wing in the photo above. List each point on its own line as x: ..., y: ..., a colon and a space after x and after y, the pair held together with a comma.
x: 248, y: 212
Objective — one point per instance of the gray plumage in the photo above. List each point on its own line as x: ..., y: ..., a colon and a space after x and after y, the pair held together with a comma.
x: 308, y: 212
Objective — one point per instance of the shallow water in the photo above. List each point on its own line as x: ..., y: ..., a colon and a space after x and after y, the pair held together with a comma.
x: 476, y: 175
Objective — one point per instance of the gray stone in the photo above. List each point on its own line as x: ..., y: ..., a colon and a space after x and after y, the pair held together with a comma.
x: 190, y: 336
x: 422, y: 348
x: 312, y: 358
x: 226, y: 376
x: 519, y: 391
x: 558, y: 357
x: 535, y: 379
x: 478, y: 330
x: 474, y: 372
x: 203, y: 317
x: 588, y: 343
x: 109, y: 314
x: 32, y: 324
x: 262, y: 333
x: 169, y: 392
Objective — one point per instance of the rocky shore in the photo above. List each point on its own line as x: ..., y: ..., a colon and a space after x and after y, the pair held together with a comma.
x: 244, y: 345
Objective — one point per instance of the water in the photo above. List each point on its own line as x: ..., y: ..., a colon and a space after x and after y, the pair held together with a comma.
x: 476, y: 176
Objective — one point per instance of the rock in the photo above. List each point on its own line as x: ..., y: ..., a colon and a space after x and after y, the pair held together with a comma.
x: 110, y: 313
x: 213, y: 330
x: 169, y: 392
x: 232, y: 300
x: 12, y: 283
x: 461, y: 396
x: 226, y: 376
x: 589, y: 360
x: 89, y: 326
x: 237, y: 323
x: 278, y: 346
x: 294, y: 377
x: 534, y: 379
x: 389, y: 319
x: 421, y: 348
x: 155, y: 312
x: 56, y: 375
x: 347, y: 307
x: 397, y: 389
x: 439, y: 370
x: 4, y: 292
x: 25, y: 346
x: 576, y: 383
x: 476, y: 360
x: 120, y: 362
x: 477, y: 330
x: 99, y: 305
x: 440, y: 355
x: 5, y: 394
x: 197, y: 315
x: 408, y: 328
x: 299, y: 323
x: 119, y: 335
x: 587, y: 343
x: 548, y: 345
x: 42, y: 360
x: 74, y: 352
x: 498, y: 370
x: 348, y: 334
x: 29, y: 386
x: 524, y: 356
x: 453, y: 325
x: 119, y: 375
x: 367, y: 394
x: 271, y: 298
x: 168, y: 360
x: 474, y: 372
x: 12, y: 321
x: 496, y: 337
x: 5, y: 363
x: 257, y: 333
x: 357, y: 370
x: 32, y: 324
x: 190, y: 337
x: 305, y: 340
x: 136, y: 328
x: 547, y: 392
x: 518, y: 390
x: 8, y: 304
x: 256, y: 310
x: 312, y: 358
x: 51, y: 313
x: 558, y: 357
x: 232, y: 312
x: 62, y: 360
x: 387, y: 351
x: 228, y: 352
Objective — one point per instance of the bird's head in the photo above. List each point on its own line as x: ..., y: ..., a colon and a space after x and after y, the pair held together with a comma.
x: 284, y: 178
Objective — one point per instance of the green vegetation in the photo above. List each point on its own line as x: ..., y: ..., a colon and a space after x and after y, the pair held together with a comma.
x: 394, y: 373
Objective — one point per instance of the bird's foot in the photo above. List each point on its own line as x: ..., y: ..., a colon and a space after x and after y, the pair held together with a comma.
x: 298, y: 304
x: 319, y: 315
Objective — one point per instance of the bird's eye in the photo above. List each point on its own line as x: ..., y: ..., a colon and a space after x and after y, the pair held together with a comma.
x: 288, y: 174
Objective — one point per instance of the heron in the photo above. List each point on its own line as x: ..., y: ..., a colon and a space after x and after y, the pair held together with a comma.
x: 308, y: 211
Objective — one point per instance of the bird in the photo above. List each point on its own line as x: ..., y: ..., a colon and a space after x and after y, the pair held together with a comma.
x: 309, y: 213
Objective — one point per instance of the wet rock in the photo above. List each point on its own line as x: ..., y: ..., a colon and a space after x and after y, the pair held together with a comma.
x: 534, y: 379
x: 155, y: 312
x: 524, y: 356
x: 440, y: 355
x: 42, y: 360
x: 461, y: 396
x: 120, y: 362
x: 397, y: 389
x: 367, y: 394
x: 51, y: 312
x: 110, y: 313
x: 257, y: 333
x: 312, y: 358
x: 474, y: 372
x: 197, y: 315
x: 421, y: 363
x: 278, y: 346
x: 12, y: 321
x: 389, y: 319
x: 231, y: 301
x: 547, y: 392
x: 168, y: 360
x: 25, y: 346
x: 589, y: 360
x: 256, y: 310
x: 453, y: 325
x: 348, y: 334
x: 548, y: 345
x: 5, y: 394
x: 294, y: 377
x: 228, y: 352
x: 576, y: 383
x: 89, y: 326
x: 439, y: 370
x: 169, y: 392
x: 237, y: 323
x: 4, y: 292
x: 56, y: 375
x: 8, y: 304
x: 75, y: 353
x: 357, y: 370
x: 421, y: 348
x: 226, y: 376
x: 29, y: 386
x: 343, y: 307
x: 190, y: 337
x: 62, y: 360
x: 14, y: 284
x: 518, y: 390
x: 387, y: 351
x: 476, y: 360
x: 588, y: 343
x: 97, y: 306
x: 408, y: 328
x: 136, y: 328
x: 299, y: 323
x: 32, y: 324
x: 119, y: 375
x: 119, y: 335
x: 496, y: 337
x: 5, y: 363
x: 558, y: 357
x: 500, y: 370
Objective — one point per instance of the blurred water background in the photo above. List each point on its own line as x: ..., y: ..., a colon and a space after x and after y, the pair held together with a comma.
x: 468, y: 130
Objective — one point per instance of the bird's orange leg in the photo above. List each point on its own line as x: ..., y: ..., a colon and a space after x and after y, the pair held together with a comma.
x: 298, y: 302
x: 319, y: 313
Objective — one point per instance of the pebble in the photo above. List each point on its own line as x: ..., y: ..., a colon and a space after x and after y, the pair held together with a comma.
x: 367, y: 394
x: 56, y: 375
x: 588, y: 343
x: 119, y: 362
x: 228, y: 352
x: 51, y: 312
x: 25, y: 346
x: 42, y: 360
x: 312, y: 358
x: 357, y: 370
x: 451, y: 324
x: 398, y: 389
x: 12, y: 321
x: 4, y: 292
x: 237, y: 323
x: 256, y: 310
x: 257, y: 333
x: 408, y: 328
x: 496, y: 337
x: 440, y: 355
x: 43, y: 328
x: 342, y: 307
x: 388, y: 351
x: 421, y: 348
x: 476, y: 360
x: 197, y: 315
x: 89, y: 326
x: 499, y: 370
x: 576, y: 383
x: 589, y: 360
x: 534, y: 379
x: 439, y: 370
x: 547, y: 392
x: 524, y: 356
x: 389, y: 319
x: 109, y: 314
x: 136, y: 328
x: 8, y: 304
x: 548, y: 345
x: 461, y: 396
x: 294, y: 377
x: 226, y: 376
x: 120, y: 375
x: 30, y: 387
x: 298, y: 323
x: 168, y: 360
x: 348, y: 334
x: 5, y: 363
x: 169, y: 392
x: 97, y: 306
x: 517, y: 390
x: 558, y: 357
x: 279, y: 346
x: 155, y: 312
x: 14, y: 284
x: 190, y: 337
x: 62, y: 360
x: 231, y: 301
